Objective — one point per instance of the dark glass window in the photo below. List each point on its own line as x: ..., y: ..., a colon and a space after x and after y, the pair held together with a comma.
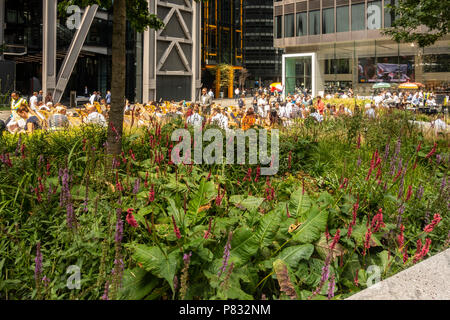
x: 358, y: 17
x: 337, y: 66
x: 389, y: 16
x: 278, y: 27
x: 289, y: 25
x: 328, y: 20
x: 342, y: 19
x: 436, y: 63
x: 314, y: 22
x: 302, y: 25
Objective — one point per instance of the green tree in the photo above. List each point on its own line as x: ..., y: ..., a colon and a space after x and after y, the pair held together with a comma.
x: 137, y: 13
x: 420, y: 21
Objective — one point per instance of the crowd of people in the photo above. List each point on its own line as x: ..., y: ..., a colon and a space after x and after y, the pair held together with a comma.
x: 266, y: 109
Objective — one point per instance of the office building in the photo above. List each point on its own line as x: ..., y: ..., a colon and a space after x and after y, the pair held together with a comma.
x: 222, y: 43
x: 337, y: 44
x: 261, y: 59
x: 163, y: 64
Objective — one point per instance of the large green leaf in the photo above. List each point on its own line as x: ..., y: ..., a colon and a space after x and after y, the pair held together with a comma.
x: 244, y: 245
x: 267, y: 228
x: 137, y: 284
x: 299, y: 203
x: 205, y: 193
x: 292, y: 255
x: 250, y: 203
x: 310, y: 230
x: 155, y: 261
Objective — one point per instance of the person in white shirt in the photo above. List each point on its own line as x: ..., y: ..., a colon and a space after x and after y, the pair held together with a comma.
x: 92, y: 98
x: 316, y: 115
x: 282, y: 111
x: 211, y: 93
x: 219, y: 118
x: 289, y: 107
x: 370, y: 113
x: 344, y: 96
x: 236, y: 94
x: 94, y: 117
x: 431, y: 102
x: 195, y: 119
x: 34, y: 100
x: 439, y: 124
x: 266, y: 110
x: 378, y: 99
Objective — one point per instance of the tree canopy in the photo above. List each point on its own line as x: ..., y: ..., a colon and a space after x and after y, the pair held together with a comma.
x: 411, y: 14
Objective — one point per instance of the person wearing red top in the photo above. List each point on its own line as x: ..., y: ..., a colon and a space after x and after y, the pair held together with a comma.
x: 320, y: 105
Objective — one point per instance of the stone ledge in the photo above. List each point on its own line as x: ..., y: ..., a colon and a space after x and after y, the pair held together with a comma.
x: 427, y: 280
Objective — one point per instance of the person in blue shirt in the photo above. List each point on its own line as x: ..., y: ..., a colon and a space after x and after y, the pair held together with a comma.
x: 108, y: 97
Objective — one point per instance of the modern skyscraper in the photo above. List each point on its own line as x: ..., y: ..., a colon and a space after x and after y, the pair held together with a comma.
x: 262, y: 60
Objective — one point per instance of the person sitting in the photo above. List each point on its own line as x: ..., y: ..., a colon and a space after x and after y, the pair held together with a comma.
x: 59, y: 120
x: 370, y: 113
x: 94, y: 117
x: 439, y: 124
x: 195, y: 119
x: 31, y: 122
x: 219, y: 119
x: 316, y: 115
x: 274, y: 118
x: 249, y: 119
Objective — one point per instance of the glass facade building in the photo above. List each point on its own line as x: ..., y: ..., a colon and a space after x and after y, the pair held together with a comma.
x: 23, y: 39
x: 345, y: 46
x: 222, y: 41
x: 261, y: 59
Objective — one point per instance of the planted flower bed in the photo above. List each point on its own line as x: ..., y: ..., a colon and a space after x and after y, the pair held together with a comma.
x: 351, y: 196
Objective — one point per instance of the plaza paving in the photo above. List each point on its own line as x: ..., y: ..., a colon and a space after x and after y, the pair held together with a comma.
x: 427, y: 280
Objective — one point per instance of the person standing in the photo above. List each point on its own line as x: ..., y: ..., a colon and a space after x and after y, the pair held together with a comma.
x: 320, y: 105
x: 236, y: 94
x: 92, y: 98
x: 205, y: 101
x: 108, y: 97
x: 86, y: 92
x: 34, y: 100
x: 241, y: 101
x: 48, y: 98
x: 40, y: 96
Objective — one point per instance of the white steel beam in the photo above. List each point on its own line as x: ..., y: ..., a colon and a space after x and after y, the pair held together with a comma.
x: 74, y: 50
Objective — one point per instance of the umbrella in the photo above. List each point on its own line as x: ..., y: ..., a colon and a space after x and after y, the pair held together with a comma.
x: 381, y: 85
x: 276, y: 86
x: 410, y: 85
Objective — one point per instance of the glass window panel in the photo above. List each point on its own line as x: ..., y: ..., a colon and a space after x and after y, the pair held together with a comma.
x: 302, y: 24
x: 289, y: 25
x: 358, y: 17
x: 389, y: 15
x: 374, y: 15
x: 278, y: 27
x: 342, y: 19
x: 314, y: 22
x: 436, y: 63
x: 328, y: 20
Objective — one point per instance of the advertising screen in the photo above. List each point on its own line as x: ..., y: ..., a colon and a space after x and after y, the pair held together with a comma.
x: 386, y: 69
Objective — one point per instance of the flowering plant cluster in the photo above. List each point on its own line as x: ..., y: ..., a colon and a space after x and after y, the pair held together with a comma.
x: 349, y: 194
